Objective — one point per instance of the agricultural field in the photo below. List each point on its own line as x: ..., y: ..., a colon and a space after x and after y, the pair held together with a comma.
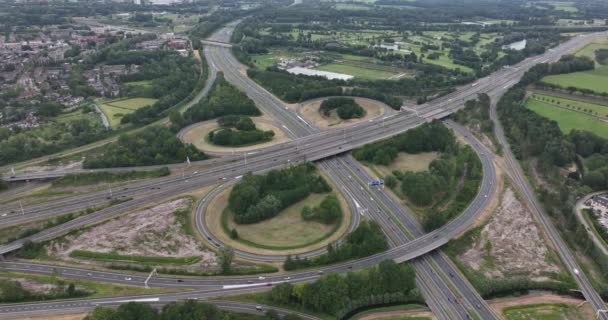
x: 596, y: 80
x: 569, y: 118
x: 543, y: 312
x: 116, y: 109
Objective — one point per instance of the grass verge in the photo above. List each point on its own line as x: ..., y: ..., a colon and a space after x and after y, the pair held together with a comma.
x: 114, y: 257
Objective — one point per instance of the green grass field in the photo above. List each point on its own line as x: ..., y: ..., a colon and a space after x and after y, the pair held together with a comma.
x: 114, y: 110
x: 114, y: 257
x: 543, y: 312
x: 357, y: 71
x: 596, y: 80
x: 287, y: 230
x: 76, y: 115
x: 596, y: 109
x: 568, y: 119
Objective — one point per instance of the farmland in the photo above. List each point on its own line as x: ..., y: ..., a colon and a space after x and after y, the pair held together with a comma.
x: 116, y: 109
x: 596, y: 80
x: 569, y: 119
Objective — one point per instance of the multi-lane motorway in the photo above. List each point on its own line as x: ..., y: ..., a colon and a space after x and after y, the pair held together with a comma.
x: 456, y: 300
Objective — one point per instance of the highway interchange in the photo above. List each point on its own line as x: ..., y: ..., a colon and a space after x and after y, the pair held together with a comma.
x: 448, y: 294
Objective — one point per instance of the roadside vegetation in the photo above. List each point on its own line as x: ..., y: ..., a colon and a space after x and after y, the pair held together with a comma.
x: 476, y: 116
x: 366, y: 240
x: 338, y: 296
x: 82, y: 179
x: 223, y: 99
x: 446, y: 188
x: 533, y: 138
x: 155, y: 145
x: 189, y: 309
x: 19, y: 288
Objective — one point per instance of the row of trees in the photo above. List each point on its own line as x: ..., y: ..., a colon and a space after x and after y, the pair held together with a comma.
x: 258, y: 197
x: 338, y: 295
x: 297, y: 88
x: 366, y: 240
x: 327, y: 212
x: 346, y: 108
x: 150, y: 146
x: 188, y: 310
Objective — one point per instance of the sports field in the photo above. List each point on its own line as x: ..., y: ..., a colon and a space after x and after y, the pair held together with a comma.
x: 116, y: 109
x: 568, y: 119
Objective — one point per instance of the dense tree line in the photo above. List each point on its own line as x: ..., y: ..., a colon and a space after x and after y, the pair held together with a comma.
x: 432, y: 136
x: 366, y: 240
x: 338, y: 295
x: 327, y: 212
x: 223, y: 99
x: 297, y: 88
x: 188, y: 310
x: 57, y: 136
x: 258, y: 197
x: 150, y: 146
x: 346, y: 108
x: 245, y: 133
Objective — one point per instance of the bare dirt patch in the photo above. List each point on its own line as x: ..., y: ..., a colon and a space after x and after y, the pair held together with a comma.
x: 152, y: 232
x: 511, y: 243
x: 310, y: 112
x: 197, y: 134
